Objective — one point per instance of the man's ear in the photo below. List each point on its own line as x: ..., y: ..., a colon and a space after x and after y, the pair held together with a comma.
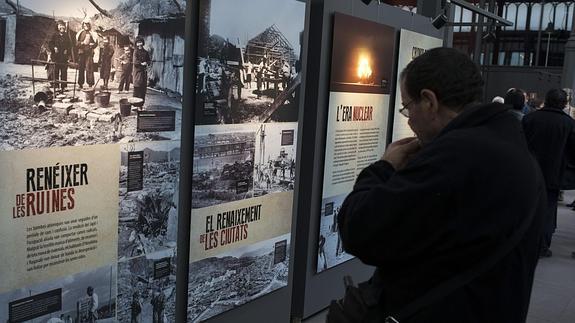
x: 430, y: 100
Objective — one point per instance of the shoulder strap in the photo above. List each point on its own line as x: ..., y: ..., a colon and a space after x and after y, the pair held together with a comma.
x: 450, y: 285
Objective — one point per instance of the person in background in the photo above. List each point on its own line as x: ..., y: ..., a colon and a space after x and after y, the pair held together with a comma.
x: 141, y: 61
x: 106, y: 55
x: 516, y: 99
x: 550, y: 134
x: 421, y: 216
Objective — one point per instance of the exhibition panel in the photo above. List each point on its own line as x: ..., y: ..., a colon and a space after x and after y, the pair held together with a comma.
x: 244, y: 156
x: 411, y: 45
x: 359, y: 99
x: 91, y: 120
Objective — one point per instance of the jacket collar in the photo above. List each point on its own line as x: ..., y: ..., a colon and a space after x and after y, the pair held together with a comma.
x: 474, y: 114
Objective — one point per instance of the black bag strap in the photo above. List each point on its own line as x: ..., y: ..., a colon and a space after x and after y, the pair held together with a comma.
x: 450, y: 285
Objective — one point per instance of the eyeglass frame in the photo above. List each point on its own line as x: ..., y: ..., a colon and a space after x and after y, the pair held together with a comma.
x: 405, y: 108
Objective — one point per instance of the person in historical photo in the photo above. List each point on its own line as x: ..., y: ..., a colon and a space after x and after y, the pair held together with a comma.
x: 106, y: 55
x: 93, y: 304
x: 136, y: 307
x: 125, y: 69
x: 143, y: 294
x: 158, y: 305
x: 140, y: 61
x: 60, y: 47
x: 86, y: 42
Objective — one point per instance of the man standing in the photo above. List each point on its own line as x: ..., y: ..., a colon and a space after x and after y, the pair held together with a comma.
x: 93, y: 298
x: 60, y: 49
x: 421, y: 214
x: 158, y: 304
x: 141, y: 61
x: 106, y: 55
x: 550, y: 133
x: 136, y: 307
x: 86, y: 41
x: 125, y: 70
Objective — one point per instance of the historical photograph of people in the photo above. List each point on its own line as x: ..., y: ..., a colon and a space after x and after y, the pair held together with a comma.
x: 81, y: 72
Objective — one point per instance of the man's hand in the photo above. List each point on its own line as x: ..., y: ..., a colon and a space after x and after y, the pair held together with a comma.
x: 398, y: 153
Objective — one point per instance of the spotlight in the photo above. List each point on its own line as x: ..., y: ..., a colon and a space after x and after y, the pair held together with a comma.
x: 439, y: 21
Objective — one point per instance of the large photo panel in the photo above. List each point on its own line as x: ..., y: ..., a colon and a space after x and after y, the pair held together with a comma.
x: 244, y: 160
x: 358, y: 111
x: 90, y: 114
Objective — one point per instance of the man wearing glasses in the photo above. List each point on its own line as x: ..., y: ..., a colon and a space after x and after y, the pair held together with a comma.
x: 450, y: 218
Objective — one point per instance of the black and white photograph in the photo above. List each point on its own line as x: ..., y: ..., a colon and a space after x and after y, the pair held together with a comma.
x: 147, y: 288
x: 218, y: 284
x: 85, y: 297
x: 223, y: 164
x: 275, y: 161
x: 330, y: 251
x: 249, y: 61
x: 82, y: 72
x: 148, y: 217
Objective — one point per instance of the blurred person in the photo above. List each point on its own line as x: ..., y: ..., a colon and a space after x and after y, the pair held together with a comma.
x: 421, y: 215
x: 516, y: 99
x: 550, y: 134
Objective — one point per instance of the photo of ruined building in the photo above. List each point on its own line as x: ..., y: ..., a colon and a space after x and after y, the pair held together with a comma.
x: 249, y: 64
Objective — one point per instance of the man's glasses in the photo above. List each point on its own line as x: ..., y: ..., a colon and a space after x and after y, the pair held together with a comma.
x: 405, y: 110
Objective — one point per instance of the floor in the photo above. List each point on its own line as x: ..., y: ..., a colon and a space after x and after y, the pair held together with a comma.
x: 553, y: 296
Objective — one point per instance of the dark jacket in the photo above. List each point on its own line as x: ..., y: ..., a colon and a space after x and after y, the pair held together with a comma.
x: 140, y: 76
x: 454, y: 203
x: 64, y: 45
x: 550, y: 134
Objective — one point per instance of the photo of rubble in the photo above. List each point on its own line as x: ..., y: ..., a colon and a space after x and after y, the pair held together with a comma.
x: 84, y: 296
x: 147, y: 288
x: 223, y: 165
x: 275, y: 162
x: 79, y: 72
x: 249, y: 64
x: 330, y: 248
x: 218, y: 284
x: 148, y: 218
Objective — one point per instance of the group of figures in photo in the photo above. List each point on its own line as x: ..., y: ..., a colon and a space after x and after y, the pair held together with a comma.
x: 78, y: 75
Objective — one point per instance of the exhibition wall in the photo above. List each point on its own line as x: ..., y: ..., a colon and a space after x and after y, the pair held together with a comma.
x: 185, y: 161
